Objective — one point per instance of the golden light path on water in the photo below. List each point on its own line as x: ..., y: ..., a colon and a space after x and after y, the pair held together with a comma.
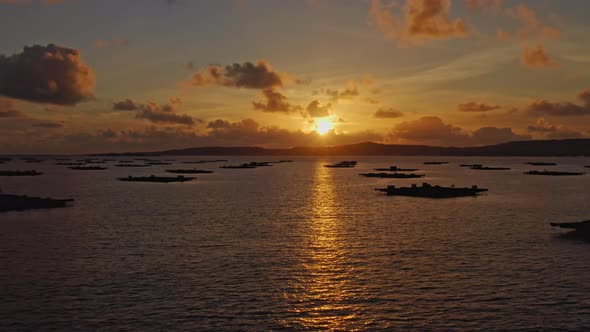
x: 323, y: 298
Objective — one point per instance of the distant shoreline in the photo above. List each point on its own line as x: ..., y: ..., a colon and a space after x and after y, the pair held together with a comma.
x: 535, y: 148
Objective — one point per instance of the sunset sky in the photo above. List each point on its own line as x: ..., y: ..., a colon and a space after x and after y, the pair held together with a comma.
x: 81, y: 76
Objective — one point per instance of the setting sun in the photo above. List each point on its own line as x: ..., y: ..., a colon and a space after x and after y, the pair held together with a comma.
x: 322, y: 126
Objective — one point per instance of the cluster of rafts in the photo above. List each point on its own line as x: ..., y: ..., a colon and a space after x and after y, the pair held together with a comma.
x: 427, y: 190
x: 9, y: 202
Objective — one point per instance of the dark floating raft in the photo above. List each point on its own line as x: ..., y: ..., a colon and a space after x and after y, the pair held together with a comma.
x: 396, y: 169
x: 87, y: 168
x: 188, y: 171
x: 22, y: 203
x: 70, y: 164
x: 582, y: 227
x: 204, y: 161
x: 436, y: 162
x: 553, y: 173
x: 20, y: 173
x: 343, y: 164
x: 471, y: 165
x: 393, y: 175
x: 429, y: 191
x: 248, y: 165
x: 540, y: 164
x: 159, y: 179
x: 488, y: 168
x: 132, y: 165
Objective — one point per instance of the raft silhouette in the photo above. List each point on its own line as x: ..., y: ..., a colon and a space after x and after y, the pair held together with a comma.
x: 188, y: 171
x: 429, y: 191
x: 21, y: 203
x: 393, y: 175
x: 343, y: 164
x: 554, y: 173
x: 395, y: 169
x: 20, y: 173
x: 158, y: 179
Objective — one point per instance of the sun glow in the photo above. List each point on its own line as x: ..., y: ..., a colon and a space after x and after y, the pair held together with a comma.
x: 322, y: 126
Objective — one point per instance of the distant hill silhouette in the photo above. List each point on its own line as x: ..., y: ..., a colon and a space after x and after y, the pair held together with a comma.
x: 567, y: 147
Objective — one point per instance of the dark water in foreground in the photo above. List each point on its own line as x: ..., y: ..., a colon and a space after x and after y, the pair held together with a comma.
x: 296, y: 247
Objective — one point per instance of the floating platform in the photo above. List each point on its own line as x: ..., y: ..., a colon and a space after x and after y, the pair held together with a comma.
x: 248, y: 165
x: 554, y: 173
x: 132, y: 165
x: 540, y: 164
x: 159, y: 179
x: 22, y: 203
x: 429, y: 191
x: 70, y: 164
x: 393, y: 175
x: 88, y: 168
x: 489, y: 168
x: 188, y: 171
x: 20, y: 173
x: 436, y: 162
x: 582, y: 227
x: 343, y: 164
x: 205, y: 161
x: 395, y: 169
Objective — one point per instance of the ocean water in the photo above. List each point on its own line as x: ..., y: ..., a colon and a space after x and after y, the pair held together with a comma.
x: 297, y: 246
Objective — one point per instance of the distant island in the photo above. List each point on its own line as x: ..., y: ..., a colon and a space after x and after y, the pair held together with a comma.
x: 566, y: 147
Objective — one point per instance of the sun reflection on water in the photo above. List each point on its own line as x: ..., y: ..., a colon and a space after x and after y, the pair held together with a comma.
x: 321, y: 296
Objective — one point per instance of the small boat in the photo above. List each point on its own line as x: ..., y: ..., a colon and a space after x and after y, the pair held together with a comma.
x: 554, y: 173
x: 430, y: 191
x: 582, y: 227
x: 285, y: 161
x: 158, y: 179
x: 188, y: 171
x: 436, y: 162
x: 395, y: 169
x: 87, y: 168
x: 471, y: 165
x: 393, y: 175
x: 489, y: 168
x: 20, y: 173
x: 343, y: 164
x: 540, y: 164
x: 21, y: 203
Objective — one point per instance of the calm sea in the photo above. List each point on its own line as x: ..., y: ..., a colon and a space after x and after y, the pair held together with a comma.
x: 296, y: 246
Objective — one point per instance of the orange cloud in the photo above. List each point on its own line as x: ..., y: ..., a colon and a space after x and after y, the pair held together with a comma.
x: 483, y: 4
x: 536, y: 57
x: 545, y: 107
x: 387, y: 113
x: 46, y: 74
x: 316, y: 110
x: 156, y: 113
x: 422, y: 20
x: 433, y: 130
x: 246, y: 75
x: 477, y: 107
x: 275, y: 102
x: 532, y: 26
x: 551, y: 131
x: 8, y: 109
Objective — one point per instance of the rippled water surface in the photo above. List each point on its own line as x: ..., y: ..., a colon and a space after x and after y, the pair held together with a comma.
x: 296, y: 246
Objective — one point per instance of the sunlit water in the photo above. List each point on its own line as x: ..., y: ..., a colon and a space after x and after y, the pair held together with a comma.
x: 296, y: 247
